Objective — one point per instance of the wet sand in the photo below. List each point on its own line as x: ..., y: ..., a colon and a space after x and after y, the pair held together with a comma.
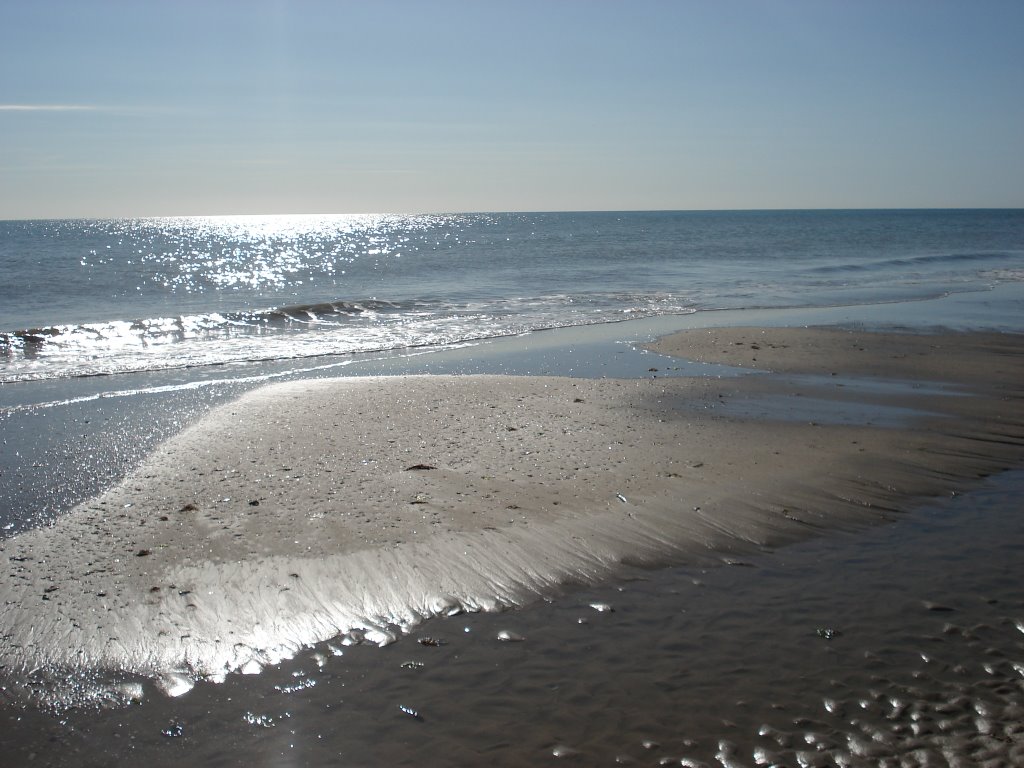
x: 353, y: 510
x: 979, y: 359
x: 898, y: 645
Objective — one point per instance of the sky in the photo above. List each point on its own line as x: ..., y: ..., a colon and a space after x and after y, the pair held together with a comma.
x: 138, y: 108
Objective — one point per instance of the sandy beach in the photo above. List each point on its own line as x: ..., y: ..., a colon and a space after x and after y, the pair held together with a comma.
x: 358, y: 508
x: 329, y: 516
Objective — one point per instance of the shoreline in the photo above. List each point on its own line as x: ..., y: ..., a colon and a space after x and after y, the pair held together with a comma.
x: 959, y: 311
x: 776, y: 534
x: 68, y: 440
x: 240, y: 541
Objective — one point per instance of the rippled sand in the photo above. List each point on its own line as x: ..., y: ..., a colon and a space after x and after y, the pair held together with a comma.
x: 899, y: 646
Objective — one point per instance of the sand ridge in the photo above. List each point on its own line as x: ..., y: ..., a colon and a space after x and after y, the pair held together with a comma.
x: 359, y: 507
x: 978, y: 358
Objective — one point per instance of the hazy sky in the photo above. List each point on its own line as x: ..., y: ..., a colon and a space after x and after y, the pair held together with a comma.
x: 165, y: 108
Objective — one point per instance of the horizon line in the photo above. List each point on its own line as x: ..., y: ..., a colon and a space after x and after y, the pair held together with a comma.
x: 518, y: 211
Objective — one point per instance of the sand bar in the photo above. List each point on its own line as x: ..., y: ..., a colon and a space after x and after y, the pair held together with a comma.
x: 983, y: 360
x: 356, y: 508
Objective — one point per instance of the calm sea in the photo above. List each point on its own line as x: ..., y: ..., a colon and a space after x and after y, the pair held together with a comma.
x: 85, y: 297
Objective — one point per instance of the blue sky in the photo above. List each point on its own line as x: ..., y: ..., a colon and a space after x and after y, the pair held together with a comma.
x: 144, y: 108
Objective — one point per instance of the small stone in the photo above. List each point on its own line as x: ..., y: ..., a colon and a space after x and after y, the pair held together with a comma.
x: 561, y: 750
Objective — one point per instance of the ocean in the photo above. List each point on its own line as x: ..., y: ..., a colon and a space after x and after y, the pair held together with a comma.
x: 81, y: 298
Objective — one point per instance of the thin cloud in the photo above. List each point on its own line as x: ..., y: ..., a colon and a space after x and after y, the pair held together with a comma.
x: 47, y: 108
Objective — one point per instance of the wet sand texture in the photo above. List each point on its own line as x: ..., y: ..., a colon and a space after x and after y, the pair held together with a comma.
x: 984, y: 360
x: 360, y: 507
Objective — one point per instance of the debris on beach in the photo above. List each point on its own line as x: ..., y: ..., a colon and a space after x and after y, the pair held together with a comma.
x: 411, y: 712
x: 562, y: 750
x: 262, y: 721
x: 174, y: 730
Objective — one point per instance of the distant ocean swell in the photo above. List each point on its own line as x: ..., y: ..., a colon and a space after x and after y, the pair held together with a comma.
x: 929, y: 261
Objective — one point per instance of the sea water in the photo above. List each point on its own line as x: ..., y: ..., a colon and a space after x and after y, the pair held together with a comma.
x: 87, y: 297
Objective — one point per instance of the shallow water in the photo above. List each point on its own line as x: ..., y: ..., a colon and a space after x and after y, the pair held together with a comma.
x: 899, y: 645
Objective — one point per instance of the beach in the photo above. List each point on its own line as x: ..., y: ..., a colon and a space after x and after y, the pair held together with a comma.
x: 290, y: 530
x: 457, y: 384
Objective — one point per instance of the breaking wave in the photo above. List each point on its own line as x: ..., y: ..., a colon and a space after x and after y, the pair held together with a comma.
x: 302, y: 330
